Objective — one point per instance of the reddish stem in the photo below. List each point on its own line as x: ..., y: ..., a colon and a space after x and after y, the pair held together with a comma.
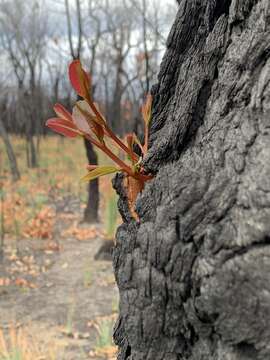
x: 121, y: 144
x: 146, y: 135
x: 123, y: 166
x: 107, y: 151
x: 110, y: 132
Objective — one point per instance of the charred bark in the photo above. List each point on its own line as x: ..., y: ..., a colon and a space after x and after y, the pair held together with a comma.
x: 193, y: 274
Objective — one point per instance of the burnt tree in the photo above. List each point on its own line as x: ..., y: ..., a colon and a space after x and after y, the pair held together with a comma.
x: 194, y: 273
x: 91, y: 210
x: 15, y: 174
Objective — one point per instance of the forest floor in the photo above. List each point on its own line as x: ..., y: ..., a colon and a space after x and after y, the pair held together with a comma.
x: 56, y: 301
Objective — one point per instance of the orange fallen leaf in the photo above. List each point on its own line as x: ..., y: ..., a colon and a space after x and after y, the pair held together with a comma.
x: 82, y: 233
x: 52, y: 246
x: 4, y: 281
x: 24, y: 283
x: 109, y: 352
x: 41, y: 226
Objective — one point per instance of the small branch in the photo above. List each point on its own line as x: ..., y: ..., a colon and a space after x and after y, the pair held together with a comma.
x: 69, y: 29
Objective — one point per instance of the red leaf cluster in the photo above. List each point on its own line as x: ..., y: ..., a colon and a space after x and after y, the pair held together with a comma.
x: 86, y: 120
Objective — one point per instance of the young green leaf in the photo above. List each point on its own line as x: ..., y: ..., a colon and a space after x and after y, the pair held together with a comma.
x: 100, y: 171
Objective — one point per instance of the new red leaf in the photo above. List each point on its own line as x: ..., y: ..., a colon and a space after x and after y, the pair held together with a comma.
x: 79, y: 79
x: 63, y: 127
x: 62, y: 112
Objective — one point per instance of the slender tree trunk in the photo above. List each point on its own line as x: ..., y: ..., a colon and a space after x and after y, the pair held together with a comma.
x: 146, y: 54
x: 91, y: 210
x: 2, y: 223
x: 193, y: 273
x: 27, y: 152
x: 10, y: 153
x: 33, y: 152
x: 30, y: 130
x: 115, y: 115
x: 33, y: 116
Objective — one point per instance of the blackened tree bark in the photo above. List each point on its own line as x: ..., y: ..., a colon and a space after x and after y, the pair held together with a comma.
x: 91, y: 210
x: 194, y: 272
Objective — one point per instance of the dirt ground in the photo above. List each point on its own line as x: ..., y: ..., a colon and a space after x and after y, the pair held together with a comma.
x: 57, y: 290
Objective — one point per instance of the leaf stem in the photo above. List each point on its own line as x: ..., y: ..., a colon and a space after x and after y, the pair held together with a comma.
x: 107, y: 151
x: 146, y: 135
x: 110, y: 132
x: 134, y: 156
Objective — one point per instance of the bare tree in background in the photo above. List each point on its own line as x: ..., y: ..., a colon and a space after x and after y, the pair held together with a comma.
x: 91, y: 210
x: 119, y: 45
x: 23, y: 34
x: 119, y: 42
x: 8, y: 146
x: 151, y: 22
x: 131, y: 56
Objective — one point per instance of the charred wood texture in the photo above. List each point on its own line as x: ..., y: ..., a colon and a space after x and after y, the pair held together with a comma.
x: 194, y: 273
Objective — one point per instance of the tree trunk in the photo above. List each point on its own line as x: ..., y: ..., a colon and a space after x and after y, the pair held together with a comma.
x: 10, y: 153
x: 193, y: 274
x: 33, y: 152
x: 30, y: 130
x: 115, y: 113
x: 91, y: 210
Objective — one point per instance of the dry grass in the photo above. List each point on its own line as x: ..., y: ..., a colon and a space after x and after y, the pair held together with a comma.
x: 27, y: 203
x: 20, y: 344
x: 29, y: 212
x: 105, y: 347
